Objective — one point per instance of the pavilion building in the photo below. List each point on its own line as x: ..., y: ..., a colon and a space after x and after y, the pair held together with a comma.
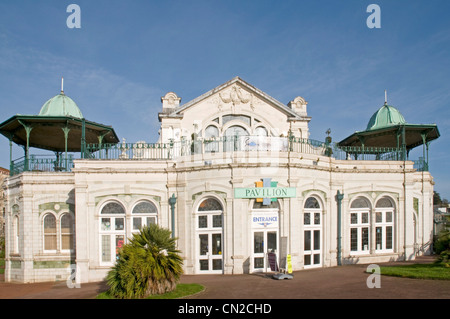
x: 234, y: 176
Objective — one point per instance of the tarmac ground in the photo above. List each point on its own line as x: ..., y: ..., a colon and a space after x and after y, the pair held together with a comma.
x: 343, y: 282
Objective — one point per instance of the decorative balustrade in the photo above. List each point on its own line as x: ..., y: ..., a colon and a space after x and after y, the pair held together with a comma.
x: 173, y: 150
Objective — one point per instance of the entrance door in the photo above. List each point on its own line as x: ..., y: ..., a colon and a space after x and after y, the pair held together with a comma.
x: 210, y: 252
x: 209, y: 237
x: 264, y: 242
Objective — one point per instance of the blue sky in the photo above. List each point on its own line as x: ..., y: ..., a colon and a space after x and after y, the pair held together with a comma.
x: 127, y: 54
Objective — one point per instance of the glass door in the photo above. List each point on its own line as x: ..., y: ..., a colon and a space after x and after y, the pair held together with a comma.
x: 264, y: 242
x: 210, y: 252
x: 209, y: 243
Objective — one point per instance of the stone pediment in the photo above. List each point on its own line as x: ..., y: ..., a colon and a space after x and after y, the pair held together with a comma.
x: 235, y: 95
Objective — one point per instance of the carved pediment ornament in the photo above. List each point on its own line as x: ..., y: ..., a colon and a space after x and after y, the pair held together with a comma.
x: 235, y: 97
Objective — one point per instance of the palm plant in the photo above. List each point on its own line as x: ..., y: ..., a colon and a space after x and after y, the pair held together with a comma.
x: 148, y: 265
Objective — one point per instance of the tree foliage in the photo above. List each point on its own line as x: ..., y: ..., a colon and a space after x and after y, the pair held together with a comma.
x: 150, y: 264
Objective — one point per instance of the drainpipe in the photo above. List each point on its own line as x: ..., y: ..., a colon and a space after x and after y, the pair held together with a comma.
x: 172, y: 201
x: 339, y: 198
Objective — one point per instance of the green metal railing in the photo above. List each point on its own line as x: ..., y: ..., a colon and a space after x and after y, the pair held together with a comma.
x: 222, y: 145
x: 41, y: 163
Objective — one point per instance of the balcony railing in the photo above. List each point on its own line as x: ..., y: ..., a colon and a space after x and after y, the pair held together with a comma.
x: 41, y: 163
x: 174, y: 150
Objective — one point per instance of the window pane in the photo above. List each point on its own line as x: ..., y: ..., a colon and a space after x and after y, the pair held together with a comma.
x: 50, y: 232
x: 203, y: 244
x: 67, y: 242
x: 384, y: 202
x: 50, y: 224
x: 360, y: 203
x: 106, y: 248
x: 307, y: 260
x: 365, y: 218
x: 151, y: 220
x: 316, y: 239
x: 50, y: 242
x: 353, y: 218
x: 259, y: 262
x: 137, y: 223
x: 119, y: 225
x: 119, y: 244
x: 217, y: 220
x: 202, y: 221
x: 145, y: 208
x: 389, y: 237
x: 388, y: 217
x: 307, y: 219
x: 113, y: 208
x: 204, y: 265
x: 258, y: 238
x: 307, y: 244
x: 271, y: 241
x: 379, y: 217
x: 379, y: 238
x: 316, y: 218
x: 217, y: 264
x: 353, y: 239
x: 106, y: 224
x: 209, y: 204
x: 312, y: 202
x: 316, y: 259
x: 365, y: 238
x: 66, y: 224
x: 217, y: 244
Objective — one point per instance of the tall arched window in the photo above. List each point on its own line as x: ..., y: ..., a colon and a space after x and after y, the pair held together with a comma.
x: 359, y: 226
x: 384, y: 224
x: 211, y: 133
x: 67, y: 232
x: 209, y: 223
x: 312, y: 233
x: 144, y: 213
x: 112, y: 231
x: 50, y: 232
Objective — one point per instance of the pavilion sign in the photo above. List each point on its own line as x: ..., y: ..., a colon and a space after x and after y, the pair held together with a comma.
x: 265, y: 192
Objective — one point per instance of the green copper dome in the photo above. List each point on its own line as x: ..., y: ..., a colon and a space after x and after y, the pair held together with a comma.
x: 61, y: 105
x: 386, y: 116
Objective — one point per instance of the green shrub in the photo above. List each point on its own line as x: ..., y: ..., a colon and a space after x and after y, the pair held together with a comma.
x: 148, y: 265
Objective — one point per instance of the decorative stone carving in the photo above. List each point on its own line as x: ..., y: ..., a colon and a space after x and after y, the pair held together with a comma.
x: 298, y: 105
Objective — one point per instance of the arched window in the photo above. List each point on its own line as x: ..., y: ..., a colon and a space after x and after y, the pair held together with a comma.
x: 67, y: 232
x: 211, y: 132
x: 312, y: 234
x: 384, y: 224
x: 112, y: 231
x: 209, y: 204
x: 144, y: 213
x: 261, y: 131
x: 359, y: 226
x: 209, y: 249
x: 50, y: 232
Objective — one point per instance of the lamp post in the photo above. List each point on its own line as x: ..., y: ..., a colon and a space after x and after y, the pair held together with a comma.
x: 172, y: 202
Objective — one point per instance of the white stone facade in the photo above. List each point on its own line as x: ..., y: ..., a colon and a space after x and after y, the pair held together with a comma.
x: 386, y: 210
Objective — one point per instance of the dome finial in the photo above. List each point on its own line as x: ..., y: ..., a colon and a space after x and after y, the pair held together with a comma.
x: 62, y: 85
x: 385, y: 97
